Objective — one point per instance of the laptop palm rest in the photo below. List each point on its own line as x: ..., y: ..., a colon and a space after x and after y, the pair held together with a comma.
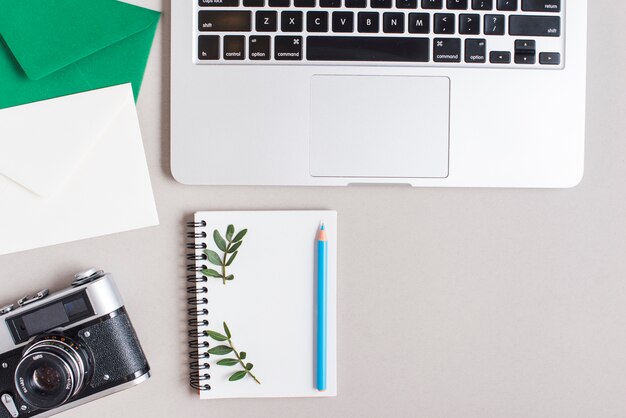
x: 379, y: 126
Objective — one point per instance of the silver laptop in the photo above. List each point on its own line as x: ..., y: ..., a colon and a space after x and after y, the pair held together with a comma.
x: 485, y: 93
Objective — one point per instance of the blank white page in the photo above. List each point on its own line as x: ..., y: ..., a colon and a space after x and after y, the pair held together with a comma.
x: 270, y: 306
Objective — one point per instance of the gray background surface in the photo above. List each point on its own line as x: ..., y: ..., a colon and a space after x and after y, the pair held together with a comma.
x: 452, y: 302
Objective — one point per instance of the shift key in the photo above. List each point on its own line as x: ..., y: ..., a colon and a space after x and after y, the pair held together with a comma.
x: 224, y: 21
x: 520, y: 25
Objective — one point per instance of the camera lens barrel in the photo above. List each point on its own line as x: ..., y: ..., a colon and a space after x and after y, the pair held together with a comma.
x: 51, y: 372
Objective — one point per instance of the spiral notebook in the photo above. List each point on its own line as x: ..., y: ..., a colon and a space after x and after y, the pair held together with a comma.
x: 258, y: 277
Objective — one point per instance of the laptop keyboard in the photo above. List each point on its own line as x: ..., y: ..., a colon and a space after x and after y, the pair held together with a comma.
x: 466, y: 33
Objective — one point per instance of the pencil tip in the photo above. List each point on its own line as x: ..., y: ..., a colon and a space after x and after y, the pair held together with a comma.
x: 322, y: 226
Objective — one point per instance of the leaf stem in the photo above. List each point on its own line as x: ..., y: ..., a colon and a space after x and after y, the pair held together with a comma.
x: 241, y: 361
x: 224, y: 262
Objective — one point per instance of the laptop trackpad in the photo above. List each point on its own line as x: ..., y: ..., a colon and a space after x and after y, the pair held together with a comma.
x: 379, y: 126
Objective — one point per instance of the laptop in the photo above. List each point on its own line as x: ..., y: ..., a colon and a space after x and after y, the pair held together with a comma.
x: 450, y: 93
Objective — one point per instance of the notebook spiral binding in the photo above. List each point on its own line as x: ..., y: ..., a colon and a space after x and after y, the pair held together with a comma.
x: 197, y: 311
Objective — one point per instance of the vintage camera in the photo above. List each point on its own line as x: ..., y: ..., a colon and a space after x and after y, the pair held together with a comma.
x: 62, y: 350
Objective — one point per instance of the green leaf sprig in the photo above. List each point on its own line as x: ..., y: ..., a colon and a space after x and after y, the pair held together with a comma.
x: 222, y: 350
x: 229, y: 248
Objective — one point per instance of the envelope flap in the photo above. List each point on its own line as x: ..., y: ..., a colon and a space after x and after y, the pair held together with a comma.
x: 44, y: 143
x: 45, y: 36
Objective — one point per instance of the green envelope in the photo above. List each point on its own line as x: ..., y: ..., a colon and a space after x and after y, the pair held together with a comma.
x: 52, y: 48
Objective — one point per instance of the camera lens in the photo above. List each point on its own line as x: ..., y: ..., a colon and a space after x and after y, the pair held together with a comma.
x: 46, y: 379
x: 52, y: 371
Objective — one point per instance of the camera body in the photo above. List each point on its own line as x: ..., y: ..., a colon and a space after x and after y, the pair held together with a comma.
x: 62, y: 350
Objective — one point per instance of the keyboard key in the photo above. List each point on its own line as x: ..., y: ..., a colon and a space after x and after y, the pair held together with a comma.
x: 393, y: 22
x: 288, y: 48
x: 291, y: 21
x: 550, y: 58
x: 406, y: 4
x: 525, y: 58
x: 535, y: 25
x: 218, y: 3
x: 304, y: 3
x: 380, y: 4
x: 525, y: 51
x: 444, y: 23
x: 361, y: 48
x: 355, y: 4
x: 447, y: 50
x: 254, y: 3
x: 266, y: 21
x: 317, y: 21
x: 343, y: 22
x: 482, y: 4
x: 208, y: 47
x: 234, y: 47
x: 330, y: 3
x: 494, y: 24
x: 475, y: 51
x: 419, y: 23
x: 457, y: 4
x: 259, y: 47
x: 469, y: 24
x: 279, y: 3
x: 524, y: 45
x: 432, y: 4
x: 500, y: 57
x: 368, y: 22
x: 222, y: 21
x: 507, y: 5
x: 541, y: 5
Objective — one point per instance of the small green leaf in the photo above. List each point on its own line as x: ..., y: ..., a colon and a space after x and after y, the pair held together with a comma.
x: 238, y: 375
x: 211, y: 273
x: 230, y: 277
x: 240, y: 235
x: 243, y: 355
x: 220, y: 350
x: 213, y: 257
x: 235, y: 247
x: 228, y: 362
x: 226, y: 330
x: 232, y: 257
x: 229, y: 232
x: 249, y: 366
x: 215, y: 335
x: 219, y: 241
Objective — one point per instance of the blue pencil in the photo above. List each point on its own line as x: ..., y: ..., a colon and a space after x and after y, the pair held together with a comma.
x: 322, y: 295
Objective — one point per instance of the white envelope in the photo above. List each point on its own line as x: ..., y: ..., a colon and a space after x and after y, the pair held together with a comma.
x: 72, y: 168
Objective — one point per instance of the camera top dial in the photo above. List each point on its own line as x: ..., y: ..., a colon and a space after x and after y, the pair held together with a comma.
x: 87, y: 276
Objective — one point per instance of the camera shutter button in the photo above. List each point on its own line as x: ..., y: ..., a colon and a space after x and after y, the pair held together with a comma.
x: 87, y: 276
x: 6, y: 309
x: 9, y: 404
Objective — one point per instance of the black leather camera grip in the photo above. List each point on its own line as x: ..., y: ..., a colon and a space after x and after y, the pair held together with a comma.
x: 117, y: 353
